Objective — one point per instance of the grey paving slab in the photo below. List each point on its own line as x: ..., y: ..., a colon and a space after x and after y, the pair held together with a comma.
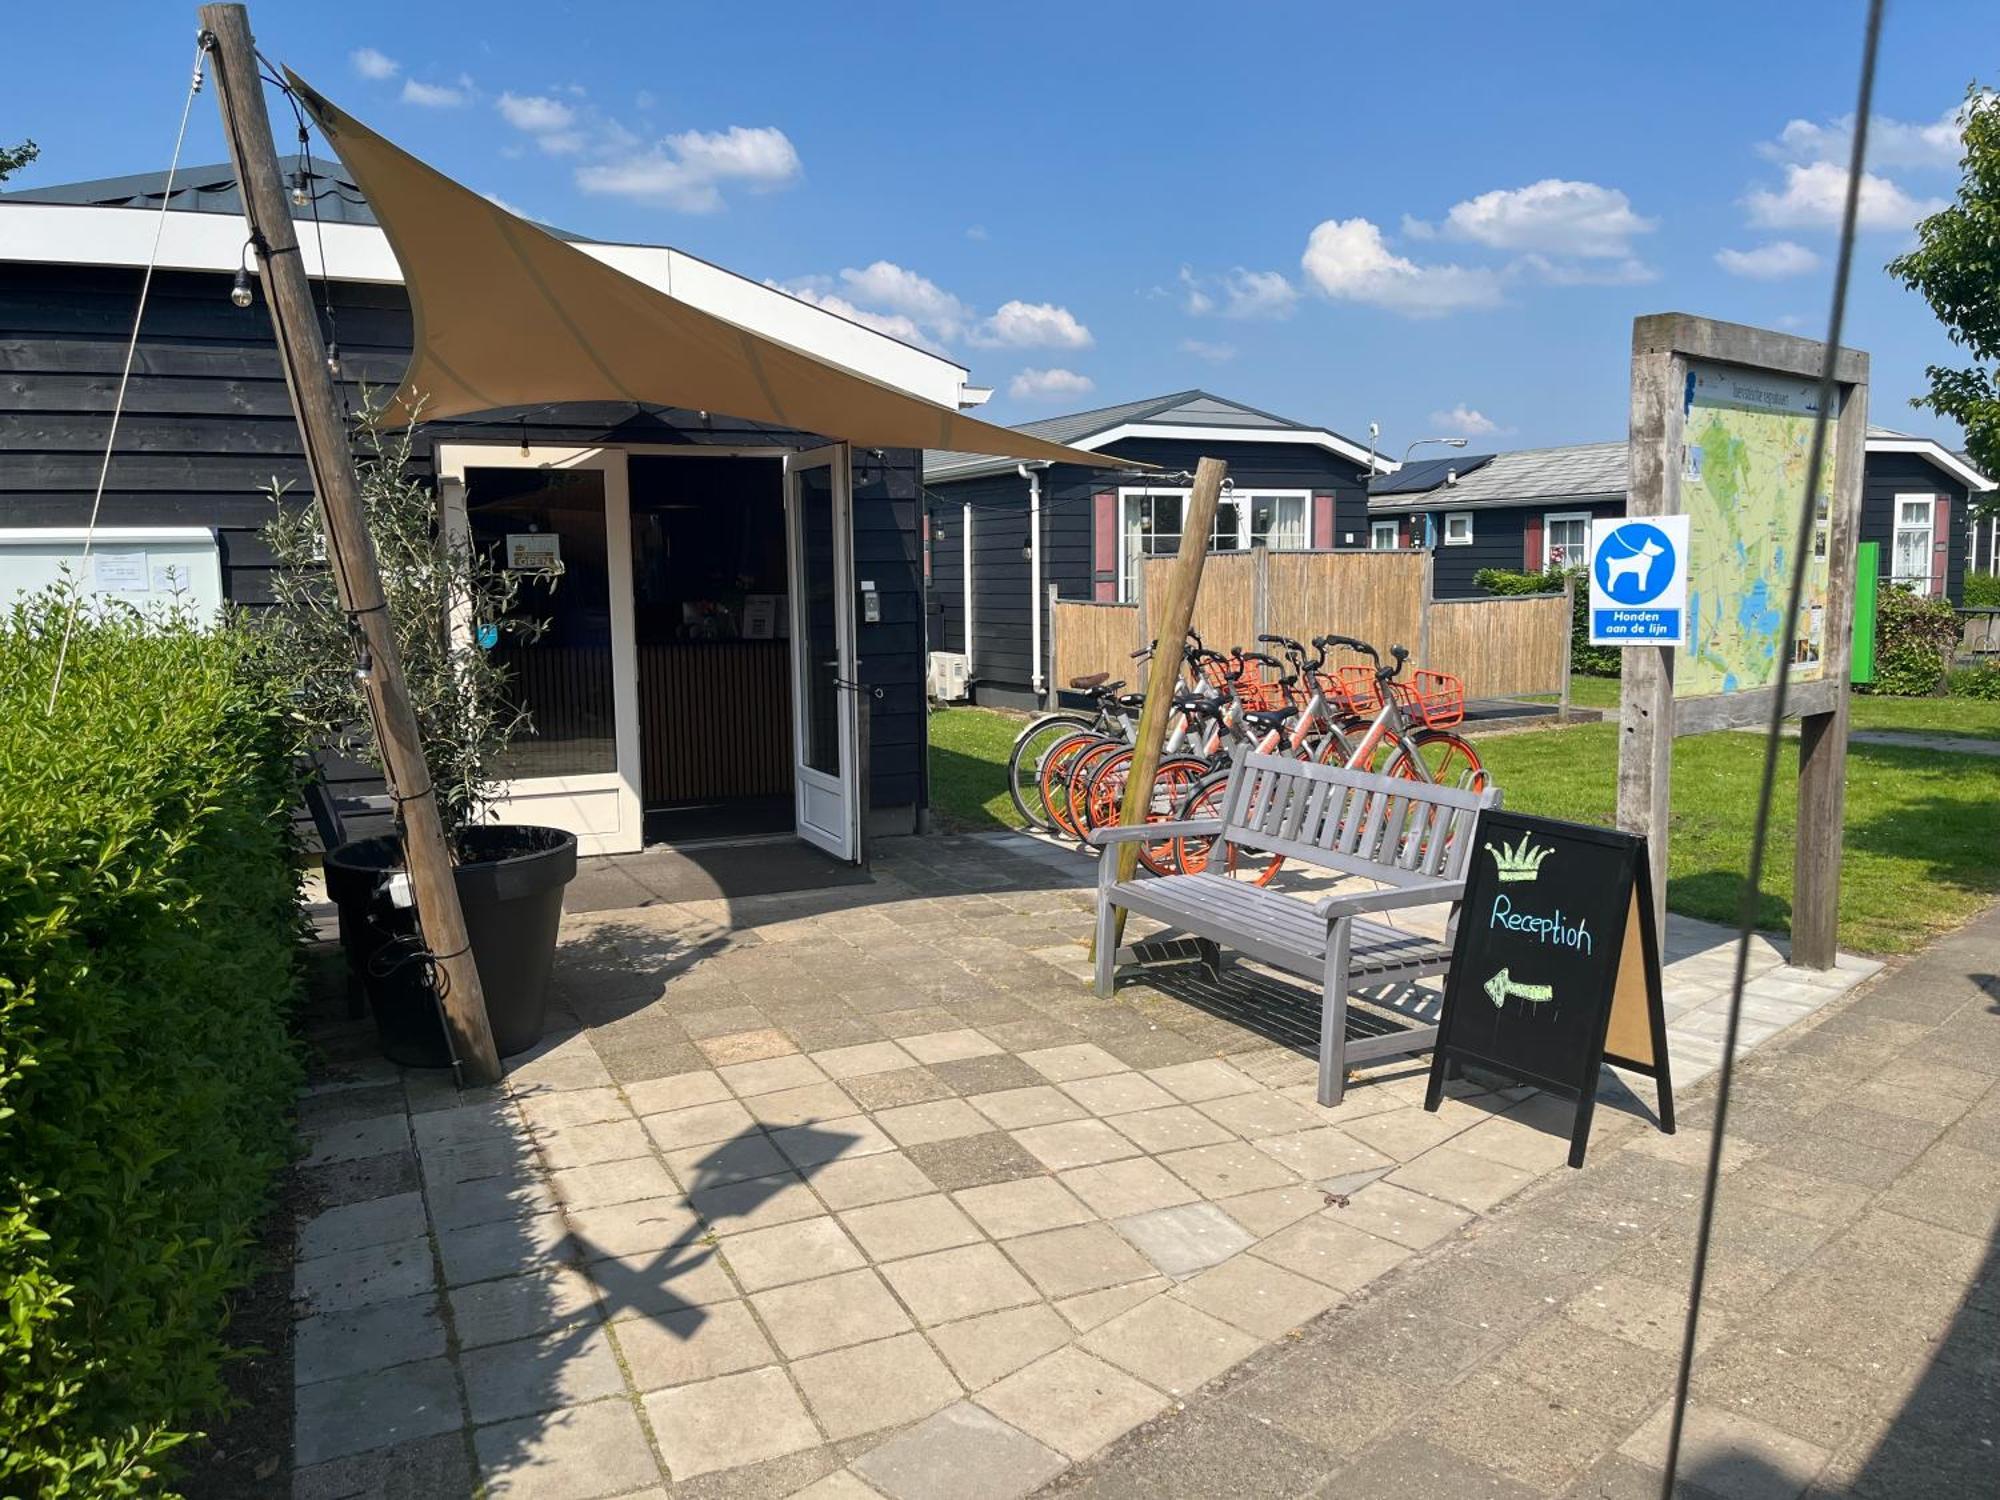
x: 376, y: 1409
x: 371, y: 1274
x: 578, y: 1453
x: 962, y: 1453
x: 544, y: 1373
x: 355, y: 1226
x: 366, y: 1338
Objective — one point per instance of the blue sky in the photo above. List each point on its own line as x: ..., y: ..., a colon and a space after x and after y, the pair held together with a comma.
x: 1438, y: 217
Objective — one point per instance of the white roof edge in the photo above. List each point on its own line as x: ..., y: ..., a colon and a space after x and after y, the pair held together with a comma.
x: 1938, y: 454
x: 88, y: 235
x: 1318, y: 437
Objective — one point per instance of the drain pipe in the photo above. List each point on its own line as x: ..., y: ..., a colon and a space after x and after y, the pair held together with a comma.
x: 1032, y: 472
x: 965, y: 548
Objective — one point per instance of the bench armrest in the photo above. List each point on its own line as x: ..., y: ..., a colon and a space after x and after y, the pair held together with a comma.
x: 1430, y: 893
x: 1194, y: 828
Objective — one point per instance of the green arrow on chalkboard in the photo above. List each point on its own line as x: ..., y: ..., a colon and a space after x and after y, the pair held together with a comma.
x: 1499, y: 987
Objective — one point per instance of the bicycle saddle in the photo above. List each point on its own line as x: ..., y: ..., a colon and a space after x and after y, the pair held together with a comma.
x: 1089, y: 680
x: 1268, y: 718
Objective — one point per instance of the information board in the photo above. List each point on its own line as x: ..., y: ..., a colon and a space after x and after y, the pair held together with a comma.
x: 1555, y: 965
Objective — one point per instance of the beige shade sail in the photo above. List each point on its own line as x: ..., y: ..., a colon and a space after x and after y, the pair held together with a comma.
x: 506, y: 314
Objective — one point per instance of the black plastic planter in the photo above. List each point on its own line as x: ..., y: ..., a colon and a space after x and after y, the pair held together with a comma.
x: 510, y: 883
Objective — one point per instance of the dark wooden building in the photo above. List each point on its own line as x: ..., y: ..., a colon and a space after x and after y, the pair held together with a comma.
x: 664, y: 691
x: 1532, y: 509
x: 1001, y: 534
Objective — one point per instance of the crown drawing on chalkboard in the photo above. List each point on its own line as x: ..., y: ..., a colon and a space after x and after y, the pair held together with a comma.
x: 1522, y: 862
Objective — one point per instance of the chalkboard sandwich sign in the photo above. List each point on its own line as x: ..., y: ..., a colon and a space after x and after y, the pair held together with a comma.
x: 1555, y: 967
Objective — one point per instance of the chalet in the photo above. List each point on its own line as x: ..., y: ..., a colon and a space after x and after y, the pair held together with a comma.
x: 1002, y: 534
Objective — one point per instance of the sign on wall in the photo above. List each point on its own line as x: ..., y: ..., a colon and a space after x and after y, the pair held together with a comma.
x: 1639, y: 581
x: 151, y: 569
x: 534, y: 551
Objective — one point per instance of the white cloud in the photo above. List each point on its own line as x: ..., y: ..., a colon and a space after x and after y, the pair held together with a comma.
x: 1049, y: 385
x: 1580, y: 219
x: 535, y: 113
x: 372, y: 64
x: 1238, y: 293
x: 896, y: 325
x: 975, y: 232
x: 1349, y: 260
x: 1031, y: 325
x: 885, y: 284
x: 437, y: 95
x: 1772, y: 262
x: 1464, y: 421
x: 1628, y: 272
x: 688, y: 171
x: 1219, y: 354
x: 499, y: 202
x: 1891, y: 143
x: 1815, y: 195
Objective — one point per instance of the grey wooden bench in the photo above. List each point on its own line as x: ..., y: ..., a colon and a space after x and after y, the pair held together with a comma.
x: 1412, y: 838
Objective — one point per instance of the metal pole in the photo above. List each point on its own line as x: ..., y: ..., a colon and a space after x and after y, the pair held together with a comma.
x: 240, y: 94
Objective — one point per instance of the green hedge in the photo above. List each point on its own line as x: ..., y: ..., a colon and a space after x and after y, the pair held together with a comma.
x: 149, y: 922
x: 1914, y: 639
x: 1584, y: 658
x: 1982, y: 590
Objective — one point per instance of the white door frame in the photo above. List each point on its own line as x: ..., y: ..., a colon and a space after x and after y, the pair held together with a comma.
x: 602, y: 808
x: 1921, y: 582
x: 827, y: 808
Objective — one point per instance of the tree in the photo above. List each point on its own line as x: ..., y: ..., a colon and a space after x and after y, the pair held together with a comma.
x: 13, y: 158
x: 1956, y: 268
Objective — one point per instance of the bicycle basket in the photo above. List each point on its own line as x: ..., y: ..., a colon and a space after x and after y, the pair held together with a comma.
x: 1435, y: 698
x: 1352, y: 690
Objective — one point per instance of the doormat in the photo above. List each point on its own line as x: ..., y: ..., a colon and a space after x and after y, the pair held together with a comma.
x: 618, y: 882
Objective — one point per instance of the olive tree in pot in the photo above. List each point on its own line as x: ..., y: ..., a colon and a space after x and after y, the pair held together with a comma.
x: 450, y: 602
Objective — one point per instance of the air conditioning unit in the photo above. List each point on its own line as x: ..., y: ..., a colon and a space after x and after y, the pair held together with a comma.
x: 949, y: 681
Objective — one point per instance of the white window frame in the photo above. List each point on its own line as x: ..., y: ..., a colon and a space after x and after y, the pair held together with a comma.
x: 1549, y: 520
x: 1457, y: 541
x: 1921, y: 583
x: 1376, y: 530
x: 1243, y: 499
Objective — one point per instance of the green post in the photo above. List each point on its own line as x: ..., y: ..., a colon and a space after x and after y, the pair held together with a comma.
x: 1867, y: 578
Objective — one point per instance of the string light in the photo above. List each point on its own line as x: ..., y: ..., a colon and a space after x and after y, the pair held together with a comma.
x: 301, y: 189
x: 333, y: 360
x: 240, y: 291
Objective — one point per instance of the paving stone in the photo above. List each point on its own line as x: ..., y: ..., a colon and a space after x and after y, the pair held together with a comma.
x: 1007, y: 1209
x: 940, y: 1120
x: 1472, y: 1182
x: 511, y: 1195
x: 699, y: 1125
x: 903, y: 1086
x: 1645, y: 1313
x: 1068, y: 1063
x: 357, y: 1181
x: 1323, y: 1152
x: 591, y: 1145
x: 755, y: 1203
x: 974, y: 1160
x: 556, y: 1064
x: 353, y: 1413
x: 981, y: 1350
x: 862, y: 1059
x: 541, y: 1374
x: 811, y: 1317
x: 1327, y: 1249
x: 611, y: 1183
x: 696, y: 1343
x: 1515, y: 1143
x: 789, y: 1252
x: 1264, y: 1213
x: 677, y: 1092
x: 1403, y: 1133
x: 962, y: 1453
x: 355, y: 1226
x: 814, y: 1103
x: 745, y: 1046
x: 1135, y: 1186
x: 1084, y: 1258
x: 1072, y: 1402
x: 1074, y: 1143
x: 958, y: 1283
x: 498, y: 1312
x: 770, y: 1074
x: 566, y: 1111
x: 1259, y: 1114
x: 1169, y: 1344
x: 1177, y: 1127
x: 869, y: 1179
x: 350, y: 1140
x: 909, y: 1226
x: 1209, y: 1078
x: 1017, y: 1108
x: 1257, y: 1296
x: 576, y: 1454
x: 358, y: 1278
x: 1183, y: 1240
x: 872, y: 1386
x: 1731, y: 1456
x: 366, y: 1338
x: 432, y: 1468
x: 660, y: 1281
x: 1228, y: 1171
x: 645, y: 1224
x: 1117, y: 1093
x: 735, y: 1160
x: 994, y: 1073
x: 810, y: 1146
x: 1394, y: 1213
x: 729, y: 1422
x: 1588, y: 1370
x: 1406, y: 1466
x: 1804, y: 1398
x: 949, y: 1046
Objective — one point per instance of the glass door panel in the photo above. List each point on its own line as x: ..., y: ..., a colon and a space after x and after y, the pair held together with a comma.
x: 824, y: 664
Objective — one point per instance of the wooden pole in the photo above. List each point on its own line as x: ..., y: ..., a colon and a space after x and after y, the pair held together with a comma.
x: 240, y: 94
x: 1169, y: 624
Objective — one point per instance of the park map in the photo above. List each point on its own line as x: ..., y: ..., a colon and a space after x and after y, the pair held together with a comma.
x: 1746, y: 446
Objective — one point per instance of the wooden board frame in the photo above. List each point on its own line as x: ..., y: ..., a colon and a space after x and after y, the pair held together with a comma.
x: 1649, y: 716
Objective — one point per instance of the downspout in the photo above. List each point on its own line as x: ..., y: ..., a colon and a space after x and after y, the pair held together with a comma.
x: 1032, y: 472
x: 965, y: 547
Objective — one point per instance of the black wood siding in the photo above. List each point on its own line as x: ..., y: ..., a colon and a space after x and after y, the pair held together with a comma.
x: 1499, y: 540
x: 1002, y: 665
x: 208, y: 429
x: 1891, y: 474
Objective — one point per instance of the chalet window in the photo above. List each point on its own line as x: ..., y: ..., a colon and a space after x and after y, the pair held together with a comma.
x: 1382, y: 535
x: 1566, y: 536
x: 1458, y: 528
x: 1151, y: 526
x: 1914, y: 540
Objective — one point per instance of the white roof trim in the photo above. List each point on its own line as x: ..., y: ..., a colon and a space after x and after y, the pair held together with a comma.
x: 1199, y: 434
x: 1938, y: 454
x: 86, y: 235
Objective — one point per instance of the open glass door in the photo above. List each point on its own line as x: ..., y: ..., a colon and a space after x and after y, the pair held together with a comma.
x: 826, y: 771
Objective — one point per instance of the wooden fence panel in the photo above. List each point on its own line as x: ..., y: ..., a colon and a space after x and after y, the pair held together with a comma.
x: 1982, y: 632
x: 1376, y: 597
x: 1225, y: 611
x: 1504, y: 647
x: 1092, y: 637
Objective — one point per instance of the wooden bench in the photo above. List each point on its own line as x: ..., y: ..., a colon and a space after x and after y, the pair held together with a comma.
x: 1412, y: 838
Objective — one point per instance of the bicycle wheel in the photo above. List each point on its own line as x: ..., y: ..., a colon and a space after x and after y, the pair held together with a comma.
x: 1053, y: 778
x: 1171, y: 781
x: 1192, y: 854
x: 1443, y: 759
x: 1024, y: 763
x: 1076, y: 793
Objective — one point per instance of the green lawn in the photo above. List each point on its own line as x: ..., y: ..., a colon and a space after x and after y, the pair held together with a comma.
x: 1922, y: 826
x: 1973, y: 717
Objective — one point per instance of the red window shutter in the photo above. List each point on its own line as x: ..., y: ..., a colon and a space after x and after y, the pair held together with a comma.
x: 1322, y: 522
x: 1104, y: 546
x: 1531, y: 550
x: 1403, y: 532
x: 1940, y: 544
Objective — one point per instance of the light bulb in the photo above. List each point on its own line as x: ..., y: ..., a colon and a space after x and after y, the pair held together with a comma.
x: 301, y: 189
x: 240, y: 293
x: 333, y: 360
